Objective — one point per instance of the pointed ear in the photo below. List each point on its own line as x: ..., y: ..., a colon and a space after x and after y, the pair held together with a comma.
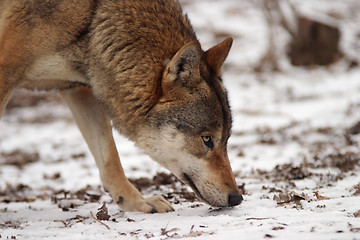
x: 183, y: 70
x: 215, y: 56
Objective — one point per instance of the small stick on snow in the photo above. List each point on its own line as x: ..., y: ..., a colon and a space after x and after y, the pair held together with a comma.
x: 99, y: 221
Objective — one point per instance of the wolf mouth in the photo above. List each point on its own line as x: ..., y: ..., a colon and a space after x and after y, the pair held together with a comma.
x: 190, y: 182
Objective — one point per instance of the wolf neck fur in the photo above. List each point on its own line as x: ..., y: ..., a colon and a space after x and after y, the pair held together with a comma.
x: 129, y: 49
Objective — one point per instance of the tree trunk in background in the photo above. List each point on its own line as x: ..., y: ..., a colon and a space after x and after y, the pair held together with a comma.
x: 314, y: 43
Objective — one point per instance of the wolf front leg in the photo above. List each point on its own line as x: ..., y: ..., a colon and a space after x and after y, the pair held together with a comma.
x: 4, y: 95
x: 96, y: 129
x: 5, y: 92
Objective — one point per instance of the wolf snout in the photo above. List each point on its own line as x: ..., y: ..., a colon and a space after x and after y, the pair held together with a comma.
x: 215, y: 199
x: 235, y: 199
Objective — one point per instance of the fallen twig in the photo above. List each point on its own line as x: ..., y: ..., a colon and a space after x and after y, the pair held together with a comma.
x: 92, y: 215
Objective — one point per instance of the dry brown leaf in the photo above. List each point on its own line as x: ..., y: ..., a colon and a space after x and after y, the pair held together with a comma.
x: 278, y: 228
x: 173, y: 230
x: 357, y: 190
x: 194, y: 234
x: 353, y: 229
x: 320, y: 197
x: 282, y: 198
x: 292, y: 197
x: 301, y: 196
x: 165, y: 232
x: 357, y: 214
x: 102, y: 214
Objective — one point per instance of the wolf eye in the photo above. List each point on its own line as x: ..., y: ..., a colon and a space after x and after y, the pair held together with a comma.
x: 208, y: 141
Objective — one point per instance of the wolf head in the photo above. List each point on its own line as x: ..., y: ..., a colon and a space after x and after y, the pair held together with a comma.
x: 190, y: 126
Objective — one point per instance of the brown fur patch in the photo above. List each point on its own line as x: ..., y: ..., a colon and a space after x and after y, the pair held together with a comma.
x: 219, y: 166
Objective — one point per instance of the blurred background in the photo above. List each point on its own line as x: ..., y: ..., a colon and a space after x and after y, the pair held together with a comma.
x: 293, y: 78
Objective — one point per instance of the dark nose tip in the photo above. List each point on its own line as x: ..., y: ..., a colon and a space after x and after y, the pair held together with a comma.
x: 235, y: 199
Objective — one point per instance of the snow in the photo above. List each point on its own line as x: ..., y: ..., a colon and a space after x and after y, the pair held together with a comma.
x: 287, y: 117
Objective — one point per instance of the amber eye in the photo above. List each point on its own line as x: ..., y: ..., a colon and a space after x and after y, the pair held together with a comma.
x: 208, y: 141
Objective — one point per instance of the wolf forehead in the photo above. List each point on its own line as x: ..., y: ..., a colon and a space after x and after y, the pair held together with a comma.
x: 195, y: 116
x: 200, y: 114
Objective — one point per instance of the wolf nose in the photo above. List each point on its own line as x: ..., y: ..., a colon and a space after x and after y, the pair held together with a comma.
x: 234, y: 200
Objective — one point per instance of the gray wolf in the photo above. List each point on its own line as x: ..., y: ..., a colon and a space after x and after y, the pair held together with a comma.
x: 133, y: 65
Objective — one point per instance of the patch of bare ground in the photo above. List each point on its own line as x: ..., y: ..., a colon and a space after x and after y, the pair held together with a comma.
x: 17, y: 193
x: 19, y: 158
x: 67, y: 200
x: 326, y: 147
x: 330, y: 155
x: 177, y: 190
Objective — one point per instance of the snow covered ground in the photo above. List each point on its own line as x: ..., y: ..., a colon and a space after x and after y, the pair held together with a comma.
x: 294, y: 149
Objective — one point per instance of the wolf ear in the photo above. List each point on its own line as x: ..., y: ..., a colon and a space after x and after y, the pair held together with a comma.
x: 183, y: 69
x: 215, y: 56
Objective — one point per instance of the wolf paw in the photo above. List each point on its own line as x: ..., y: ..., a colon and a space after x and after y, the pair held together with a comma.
x: 156, y: 204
